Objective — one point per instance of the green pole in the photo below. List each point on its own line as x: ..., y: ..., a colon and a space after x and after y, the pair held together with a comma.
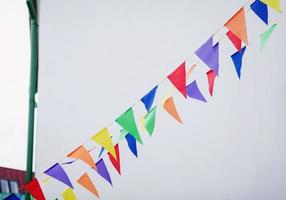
x: 32, y: 90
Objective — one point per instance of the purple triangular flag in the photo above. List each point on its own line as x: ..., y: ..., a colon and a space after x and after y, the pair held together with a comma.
x: 59, y: 173
x: 194, y: 92
x: 102, y: 170
x: 209, y: 54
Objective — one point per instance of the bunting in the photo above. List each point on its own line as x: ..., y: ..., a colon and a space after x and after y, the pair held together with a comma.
x: 102, y: 171
x: 237, y: 25
x: 169, y: 106
x: 68, y: 194
x: 178, y: 79
x: 103, y: 138
x: 57, y: 172
x: 211, y: 79
x: 86, y: 182
x: 148, y: 99
x: 275, y: 4
x: 264, y: 37
x: 194, y: 92
x: 127, y: 121
x: 150, y: 121
x: 34, y: 188
x: 115, y: 161
x: 261, y: 10
x: 82, y: 154
x: 209, y: 54
x: 237, y: 60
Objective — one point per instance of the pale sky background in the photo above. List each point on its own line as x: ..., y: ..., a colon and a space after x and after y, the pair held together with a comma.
x: 14, y: 81
x: 98, y: 57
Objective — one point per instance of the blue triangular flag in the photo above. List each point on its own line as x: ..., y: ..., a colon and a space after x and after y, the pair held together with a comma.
x: 101, y: 152
x: 131, y: 141
x: 12, y: 197
x: 237, y: 60
x: 261, y: 10
x: 148, y: 99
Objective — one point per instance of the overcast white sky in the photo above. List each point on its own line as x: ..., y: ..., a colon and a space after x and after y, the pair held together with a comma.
x: 14, y: 78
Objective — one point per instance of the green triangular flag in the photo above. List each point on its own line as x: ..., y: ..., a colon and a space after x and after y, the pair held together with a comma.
x: 265, y: 36
x: 150, y: 121
x: 127, y: 121
x: 122, y: 135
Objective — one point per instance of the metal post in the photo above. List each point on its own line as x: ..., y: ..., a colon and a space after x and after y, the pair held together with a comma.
x: 32, y: 90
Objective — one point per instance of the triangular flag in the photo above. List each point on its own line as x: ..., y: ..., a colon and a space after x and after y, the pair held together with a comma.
x: 169, y: 106
x: 57, y: 172
x: 150, y: 121
x: 178, y: 79
x: 189, y: 72
x: 101, y: 152
x: 211, y: 79
x: 142, y: 123
x: 209, y: 54
x: 122, y: 135
x: 86, y: 182
x: 82, y: 154
x: 194, y: 92
x: 12, y: 197
x: 115, y: 161
x: 34, y: 188
x: 235, y: 40
x: 237, y: 60
x: 102, y: 170
x: 148, y: 99
x: 266, y: 35
x: 127, y: 121
x: 131, y: 144
x: 68, y: 194
x: 103, y: 139
x: 237, y: 25
x: 261, y: 10
x: 275, y: 4
x: 167, y: 95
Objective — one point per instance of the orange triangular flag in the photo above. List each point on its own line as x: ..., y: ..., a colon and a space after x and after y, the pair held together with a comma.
x: 170, y: 107
x: 82, y: 154
x: 237, y: 25
x: 86, y: 182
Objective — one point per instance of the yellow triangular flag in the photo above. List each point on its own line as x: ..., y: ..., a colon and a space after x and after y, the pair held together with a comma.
x: 68, y: 194
x: 142, y: 123
x: 275, y: 4
x: 103, y: 139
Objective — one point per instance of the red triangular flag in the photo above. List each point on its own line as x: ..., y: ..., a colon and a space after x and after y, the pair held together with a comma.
x: 235, y: 40
x: 34, y: 188
x: 115, y: 161
x: 211, y: 78
x: 178, y: 79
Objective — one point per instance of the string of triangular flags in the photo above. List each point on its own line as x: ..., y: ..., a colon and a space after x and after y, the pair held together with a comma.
x: 208, y: 54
